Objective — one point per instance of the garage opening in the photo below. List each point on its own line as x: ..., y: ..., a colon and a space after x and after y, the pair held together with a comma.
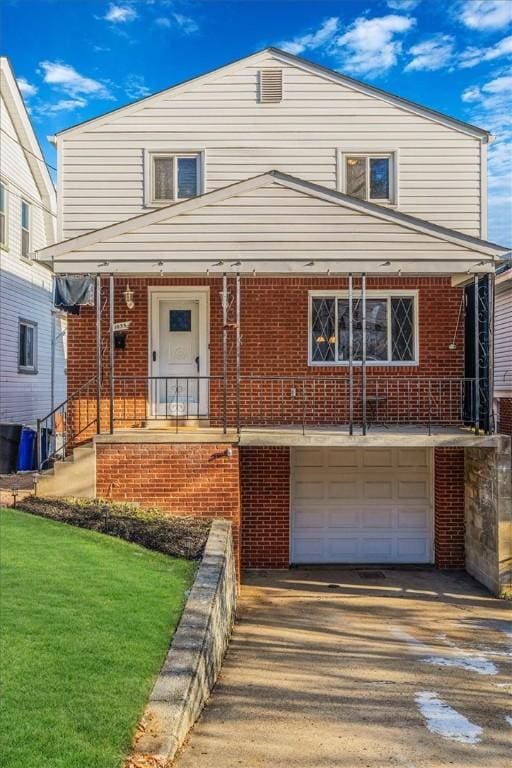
x: 362, y: 505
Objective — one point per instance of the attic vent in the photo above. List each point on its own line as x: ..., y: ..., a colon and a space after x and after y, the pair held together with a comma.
x: 271, y: 85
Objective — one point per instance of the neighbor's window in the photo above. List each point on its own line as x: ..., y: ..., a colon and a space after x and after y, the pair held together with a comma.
x: 3, y: 215
x: 369, y: 177
x: 27, y: 346
x: 173, y: 177
x: 390, y: 329
x: 25, y: 228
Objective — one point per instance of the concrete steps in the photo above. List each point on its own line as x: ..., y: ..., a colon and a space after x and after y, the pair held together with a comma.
x: 75, y: 476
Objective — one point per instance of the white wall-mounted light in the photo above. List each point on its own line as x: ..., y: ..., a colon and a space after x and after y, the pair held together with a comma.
x: 128, y: 297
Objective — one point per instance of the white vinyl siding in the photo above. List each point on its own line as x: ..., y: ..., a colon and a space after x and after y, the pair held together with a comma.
x: 103, y: 165
x: 25, y: 288
x: 270, y: 223
x: 503, y: 339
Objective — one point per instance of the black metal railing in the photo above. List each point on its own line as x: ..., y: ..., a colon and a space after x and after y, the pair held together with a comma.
x: 59, y: 431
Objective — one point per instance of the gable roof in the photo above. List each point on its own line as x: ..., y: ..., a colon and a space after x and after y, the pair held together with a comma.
x: 318, y: 69
x: 32, y: 151
x: 169, y: 212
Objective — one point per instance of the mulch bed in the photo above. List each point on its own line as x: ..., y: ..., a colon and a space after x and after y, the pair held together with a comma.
x: 151, y: 528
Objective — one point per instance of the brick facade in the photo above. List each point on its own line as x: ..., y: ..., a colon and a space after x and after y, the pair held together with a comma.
x: 179, y: 478
x: 505, y: 415
x: 274, y: 328
x: 265, y: 501
x: 449, y: 507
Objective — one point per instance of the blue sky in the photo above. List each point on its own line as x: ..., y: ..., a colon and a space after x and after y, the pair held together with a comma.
x: 75, y: 59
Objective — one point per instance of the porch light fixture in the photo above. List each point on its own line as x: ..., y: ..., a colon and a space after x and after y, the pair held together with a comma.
x: 128, y: 297
x: 386, y: 264
x: 103, y: 264
x: 309, y: 264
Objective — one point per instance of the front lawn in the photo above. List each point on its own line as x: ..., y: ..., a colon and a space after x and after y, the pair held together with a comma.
x: 86, y: 622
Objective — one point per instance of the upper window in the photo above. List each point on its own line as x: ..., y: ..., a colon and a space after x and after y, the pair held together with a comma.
x: 25, y: 228
x: 172, y: 177
x: 27, y: 347
x: 391, y: 335
x: 3, y: 215
x: 369, y: 177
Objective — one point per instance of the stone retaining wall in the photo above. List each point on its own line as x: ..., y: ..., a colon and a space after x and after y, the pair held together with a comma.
x: 196, y: 654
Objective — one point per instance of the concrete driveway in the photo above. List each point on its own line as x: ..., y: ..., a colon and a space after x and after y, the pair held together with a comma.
x: 335, y: 668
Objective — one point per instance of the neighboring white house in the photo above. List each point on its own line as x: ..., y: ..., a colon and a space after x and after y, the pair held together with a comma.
x: 32, y: 335
x: 503, y: 348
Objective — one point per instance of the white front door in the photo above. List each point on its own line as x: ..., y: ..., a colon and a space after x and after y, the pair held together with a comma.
x: 179, y: 355
x: 357, y: 505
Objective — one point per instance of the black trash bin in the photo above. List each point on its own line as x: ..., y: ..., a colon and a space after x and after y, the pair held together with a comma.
x: 9, y: 444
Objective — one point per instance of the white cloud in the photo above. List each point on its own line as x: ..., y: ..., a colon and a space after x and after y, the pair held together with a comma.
x: 489, y: 104
x: 120, y: 14
x: 185, y: 23
x: 67, y: 79
x: 65, y: 105
x: 26, y: 88
x: 312, y: 40
x: 403, y: 5
x: 135, y: 87
x: 473, y: 56
x: 371, y: 46
x: 486, y: 14
x: 431, y: 54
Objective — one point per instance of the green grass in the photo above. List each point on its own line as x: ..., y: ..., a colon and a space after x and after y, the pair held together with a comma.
x: 86, y: 622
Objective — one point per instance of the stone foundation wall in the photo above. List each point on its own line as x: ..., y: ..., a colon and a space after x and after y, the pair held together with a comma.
x: 488, y: 513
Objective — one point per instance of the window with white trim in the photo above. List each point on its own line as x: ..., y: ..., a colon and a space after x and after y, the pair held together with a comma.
x: 172, y: 176
x: 3, y: 216
x: 25, y: 228
x: 391, y: 328
x: 27, y: 346
x: 370, y: 177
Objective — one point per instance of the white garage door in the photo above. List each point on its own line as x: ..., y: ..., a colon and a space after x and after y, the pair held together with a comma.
x: 361, y: 505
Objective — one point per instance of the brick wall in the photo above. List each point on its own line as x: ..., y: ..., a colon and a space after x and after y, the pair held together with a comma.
x: 274, y: 320
x: 183, y: 479
x: 449, y: 507
x: 265, y: 502
x: 505, y: 415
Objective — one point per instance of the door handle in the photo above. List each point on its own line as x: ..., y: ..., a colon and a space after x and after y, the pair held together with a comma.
x: 197, y: 363
x: 154, y: 356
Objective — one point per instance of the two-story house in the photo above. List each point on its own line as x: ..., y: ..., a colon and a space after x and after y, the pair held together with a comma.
x: 292, y: 324
x: 32, y: 341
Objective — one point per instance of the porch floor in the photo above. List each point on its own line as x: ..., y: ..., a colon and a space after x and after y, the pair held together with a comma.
x: 338, y: 435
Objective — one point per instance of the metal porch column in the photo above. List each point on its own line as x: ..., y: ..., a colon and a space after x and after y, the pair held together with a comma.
x: 111, y: 350
x: 477, y: 354
x: 491, y: 423
x: 350, y: 357
x: 98, y: 355
x: 225, y: 348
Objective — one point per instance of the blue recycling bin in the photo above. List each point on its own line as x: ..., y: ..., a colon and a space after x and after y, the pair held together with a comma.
x: 27, y: 450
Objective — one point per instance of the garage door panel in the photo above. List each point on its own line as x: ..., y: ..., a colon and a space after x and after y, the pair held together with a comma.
x: 344, y: 457
x: 377, y: 517
x: 346, y: 549
x: 378, y: 489
x: 413, y: 519
x: 361, y: 505
x: 412, y: 457
x: 343, y: 489
x: 378, y: 457
x: 343, y: 517
x: 413, y: 489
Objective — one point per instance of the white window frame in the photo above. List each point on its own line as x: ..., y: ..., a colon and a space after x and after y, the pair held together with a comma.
x: 370, y: 294
x: 391, y: 154
x: 5, y: 213
x: 31, y: 369
x: 149, y: 157
x: 25, y: 229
